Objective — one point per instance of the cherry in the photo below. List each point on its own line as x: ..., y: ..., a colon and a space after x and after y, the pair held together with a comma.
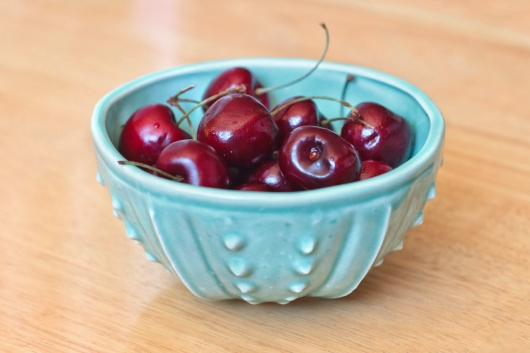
x: 196, y: 163
x: 314, y: 157
x: 295, y: 115
x: 283, y: 107
x: 238, y: 176
x: 235, y: 77
x: 370, y: 169
x: 275, y: 155
x: 254, y: 186
x: 147, y: 132
x: 381, y: 135
x: 271, y: 174
x: 240, y: 129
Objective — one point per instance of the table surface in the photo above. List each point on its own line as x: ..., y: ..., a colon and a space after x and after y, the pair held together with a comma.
x: 71, y: 281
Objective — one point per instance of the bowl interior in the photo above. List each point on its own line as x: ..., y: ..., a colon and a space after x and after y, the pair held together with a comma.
x: 327, y: 80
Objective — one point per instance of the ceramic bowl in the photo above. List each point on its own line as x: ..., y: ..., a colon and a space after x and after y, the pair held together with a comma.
x: 271, y: 247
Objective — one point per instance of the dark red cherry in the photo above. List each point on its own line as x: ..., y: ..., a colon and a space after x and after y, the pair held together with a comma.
x: 197, y: 163
x: 271, y: 174
x: 232, y: 78
x: 238, y: 175
x: 370, y: 169
x: 240, y: 129
x: 275, y: 155
x: 314, y: 157
x: 295, y: 115
x: 147, y: 132
x: 254, y: 186
x: 385, y: 136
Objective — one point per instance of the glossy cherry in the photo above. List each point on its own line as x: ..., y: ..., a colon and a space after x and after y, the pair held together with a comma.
x: 370, y: 169
x: 254, y: 186
x: 197, y: 163
x: 383, y: 136
x: 271, y: 174
x: 234, y: 77
x: 240, y: 129
x: 147, y: 132
x: 314, y: 157
x: 295, y: 115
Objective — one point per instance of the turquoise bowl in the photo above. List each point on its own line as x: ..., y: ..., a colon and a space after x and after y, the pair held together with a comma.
x: 271, y: 247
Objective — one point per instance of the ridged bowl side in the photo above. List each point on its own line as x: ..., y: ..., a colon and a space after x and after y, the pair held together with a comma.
x: 274, y: 247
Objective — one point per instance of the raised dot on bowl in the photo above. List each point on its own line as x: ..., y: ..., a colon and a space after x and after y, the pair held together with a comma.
x: 307, y: 245
x: 418, y: 220
x: 398, y: 246
x: 432, y: 192
x: 132, y: 232
x: 118, y: 208
x: 99, y: 178
x: 303, y: 266
x: 233, y: 241
x: 298, y: 286
x: 150, y: 256
x: 238, y: 267
x: 245, y: 286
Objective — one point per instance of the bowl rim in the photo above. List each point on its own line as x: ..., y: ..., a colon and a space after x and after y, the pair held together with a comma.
x: 358, y: 190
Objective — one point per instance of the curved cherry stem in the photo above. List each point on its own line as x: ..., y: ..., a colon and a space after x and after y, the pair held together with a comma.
x: 260, y: 91
x: 351, y: 118
x: 301, y: 99
x: 184, y: 90
x: 188, y: 100
x: 330, y: 120
x: 349, y: 79
x: 147, y: 166
x: 174, y: 101
x: 240, y: 89
x: 355, y: 115
x: 190, y: 124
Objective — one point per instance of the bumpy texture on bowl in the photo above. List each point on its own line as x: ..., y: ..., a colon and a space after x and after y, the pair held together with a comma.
x: 271, y: 247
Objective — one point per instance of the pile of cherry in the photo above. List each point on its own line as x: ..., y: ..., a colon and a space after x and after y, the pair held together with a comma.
x: 241, y: 144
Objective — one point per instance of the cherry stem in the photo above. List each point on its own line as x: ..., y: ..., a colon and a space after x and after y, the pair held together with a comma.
x: 301, y: 99
x: 147, y: 166
x: 353, y: 118
x: 190, y: 124
x: 314, y: 154
x: 188, y: 100
x: 240, y: 89
x: 174, y: 101
x: 260, y: 91
x: 354, y: 112
x: 176, y: 97
x: 349, y: 79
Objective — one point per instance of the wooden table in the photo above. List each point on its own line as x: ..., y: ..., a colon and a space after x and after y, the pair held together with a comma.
x: 71, y: 281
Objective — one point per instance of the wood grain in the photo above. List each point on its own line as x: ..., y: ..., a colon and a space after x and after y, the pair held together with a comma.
x: 71, y: 281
